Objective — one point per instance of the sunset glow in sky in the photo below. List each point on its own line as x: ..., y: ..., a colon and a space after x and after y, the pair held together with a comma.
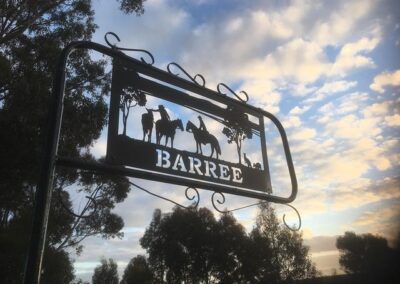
x: 329, y: 70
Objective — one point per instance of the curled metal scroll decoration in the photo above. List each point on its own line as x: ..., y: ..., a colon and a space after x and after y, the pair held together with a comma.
x: 219, y: 198
x: 194, y: 196
x: 298, y: 216
x: 114, y: 46
x: 246, y: 96
x: 81, y: 215
x: 221, y: 201
x: 193, y: 79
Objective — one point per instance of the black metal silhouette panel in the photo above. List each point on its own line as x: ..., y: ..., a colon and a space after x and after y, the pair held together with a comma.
x: 185, y: 140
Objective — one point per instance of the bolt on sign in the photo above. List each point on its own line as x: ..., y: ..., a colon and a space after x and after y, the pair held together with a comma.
x: 176, y: 130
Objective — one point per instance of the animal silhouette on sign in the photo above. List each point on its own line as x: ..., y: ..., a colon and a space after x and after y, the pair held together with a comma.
x: 257, y: 166
x: 147, y: 124
x: 203, y: 137
x: 167, y: 128
x: 246, y: 160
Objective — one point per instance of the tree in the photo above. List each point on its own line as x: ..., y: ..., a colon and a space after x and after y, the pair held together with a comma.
x: 129, y: 98
x: 32, y: 35
x: 137, y: 271
x: 179, y: 245
x: 369, y: 257
x: 191, y: 246
x: 283, y: 257
x: 237, y: 128
x: 106, y: 272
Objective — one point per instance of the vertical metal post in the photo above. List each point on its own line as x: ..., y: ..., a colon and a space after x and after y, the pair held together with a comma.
x: 114, y: 110
x: 44, y: 189
x: 264, y: 153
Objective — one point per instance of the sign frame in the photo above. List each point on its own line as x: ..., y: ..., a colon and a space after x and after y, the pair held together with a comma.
x: 50, y: 159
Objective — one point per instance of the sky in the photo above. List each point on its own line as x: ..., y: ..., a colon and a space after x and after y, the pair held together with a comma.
x: 328, y: 70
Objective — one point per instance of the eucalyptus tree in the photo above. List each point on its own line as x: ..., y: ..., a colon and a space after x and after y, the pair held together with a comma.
x: 32, y: 35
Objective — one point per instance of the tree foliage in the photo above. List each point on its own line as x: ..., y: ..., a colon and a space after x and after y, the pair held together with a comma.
x: 368, y: 256
x: 32, y: 35
x: 191, y: 246
x: 129, y: 98
x: 284, y: 256
x: 106, y: 272
x: 237, y: 128
x: 137, y: 271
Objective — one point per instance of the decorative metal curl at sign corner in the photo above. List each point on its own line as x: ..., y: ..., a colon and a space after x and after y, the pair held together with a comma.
x: 219, y: 198
x: 246, y: 96
x: 193, y: 79
x: 114, y: 46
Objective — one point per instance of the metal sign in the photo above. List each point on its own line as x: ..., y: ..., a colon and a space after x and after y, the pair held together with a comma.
x: 154, y: 147
x: 164, y: 147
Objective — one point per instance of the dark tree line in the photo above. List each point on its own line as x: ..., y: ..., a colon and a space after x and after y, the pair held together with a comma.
x: 192, y: 246
x: 369, y: 258
x: 32, y: 35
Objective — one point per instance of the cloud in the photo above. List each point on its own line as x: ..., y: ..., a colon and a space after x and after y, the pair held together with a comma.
x: 330, y: 88
x: 354, y: 127
x: 347, y: 196
x: 377, y: 109
x: 379, y: 215
x: 299, y: 110
x: 383, y: 221
x: 301, y: 60
x: 393, y: 120
x: 291, y: 121
x: 303, y: 134
x: 385, y: 79
x: 353, y: 56
x: 341, y: 22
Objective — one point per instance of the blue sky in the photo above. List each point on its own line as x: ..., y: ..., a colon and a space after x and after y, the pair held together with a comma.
x: 329, y: 70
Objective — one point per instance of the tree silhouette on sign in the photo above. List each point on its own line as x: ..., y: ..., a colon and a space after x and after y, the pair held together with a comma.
x: 237, y: 128
x: 130, y: 97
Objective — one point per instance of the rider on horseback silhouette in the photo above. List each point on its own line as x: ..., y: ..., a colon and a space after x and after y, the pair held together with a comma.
x: 202, y: 126
x: 163, y: 112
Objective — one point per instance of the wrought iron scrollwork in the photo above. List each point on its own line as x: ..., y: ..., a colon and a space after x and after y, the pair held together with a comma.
x: 219, y: 201
x: 195, y: 196
x: 298, y: 216
x: 219, y: 197
x: 114, y: 46
x: 193, y: 79
x: 246, y: 99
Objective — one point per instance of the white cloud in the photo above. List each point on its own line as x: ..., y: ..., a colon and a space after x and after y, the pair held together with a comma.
x: 352, y: 127
x: 304, y: 134
x: 393, y: 120
x: 385, y: 79
x: 377, y: 109
x: 339, y: 24
x: 299, y: 110
x: 353, y: 56
x: 291, y: 121
x: 330, y: 88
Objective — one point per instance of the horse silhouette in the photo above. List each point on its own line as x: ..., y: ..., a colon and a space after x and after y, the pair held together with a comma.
x: 147, y: 124
x: 167, y: 128
x: 203, y: 137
